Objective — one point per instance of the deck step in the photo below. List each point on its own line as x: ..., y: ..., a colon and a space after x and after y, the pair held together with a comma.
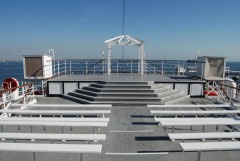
x: 75, y: 99
x: 127, y: 93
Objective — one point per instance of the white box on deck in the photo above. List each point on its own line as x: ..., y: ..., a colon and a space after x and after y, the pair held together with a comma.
x: 211, y: 68
x: 37, y: 66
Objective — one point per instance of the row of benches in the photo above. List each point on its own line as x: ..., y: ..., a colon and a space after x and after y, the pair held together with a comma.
x: 54, y: 110
x: 200, y: 146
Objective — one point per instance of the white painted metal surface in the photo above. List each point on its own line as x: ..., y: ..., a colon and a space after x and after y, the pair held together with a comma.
x: 51, y: 148
x: 191, y: 106
x: 211, y: 135
x: 55, y: 119
x: 48, y: 136
x: 210, y: 146
x: 64, y: 105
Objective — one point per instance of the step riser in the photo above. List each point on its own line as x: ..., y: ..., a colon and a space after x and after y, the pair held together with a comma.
x: 89, y: 98
x: 75, y: 99
x: 121, y: 87
x: 126, y: 95
x: 126, y: 100
x: 86, y: 92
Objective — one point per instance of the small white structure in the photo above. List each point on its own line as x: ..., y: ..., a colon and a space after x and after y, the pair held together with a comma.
x: 37, y: 66
x: 124, y: 40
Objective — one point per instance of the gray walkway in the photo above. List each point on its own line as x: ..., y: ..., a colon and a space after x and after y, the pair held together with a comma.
x: 131, y: 133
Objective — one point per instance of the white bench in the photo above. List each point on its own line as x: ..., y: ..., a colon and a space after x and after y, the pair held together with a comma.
x: 193, y: 119
x: 66, y: 119
x: 203, y: 136
x: 209, y: 146
x: 194, y: 112
x: 191, y: 106
x: 56, y: 112
x: 51, y: 148
x: 200, y: 122
x: 54, y: 123
x: 81, y: 106
x: 48, y: 136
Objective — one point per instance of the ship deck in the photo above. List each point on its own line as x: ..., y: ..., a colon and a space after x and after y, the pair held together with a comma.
x: 124, y: 77
x: 132, y: 134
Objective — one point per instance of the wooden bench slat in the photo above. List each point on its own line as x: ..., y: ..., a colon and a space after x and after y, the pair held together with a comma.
x: 56, y: 148
x: 48, y: 136
x: 210, y: 146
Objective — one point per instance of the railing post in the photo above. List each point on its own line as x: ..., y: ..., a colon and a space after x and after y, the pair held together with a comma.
x: 58, y: 67
x: 154, y: 70
x: 94, y: 69
x: 117, y: 67
x: 131, y: 66
x: 42, y: 87
x: 53, y: 68
x: 65, y: 67
x: 162, y: 68
x: 146, y: 67
x: 70, y: 67
x: 4, y: 97
x: 86, y: 70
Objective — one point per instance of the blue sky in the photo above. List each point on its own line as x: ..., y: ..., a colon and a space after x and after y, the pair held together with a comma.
x: 172, y: 29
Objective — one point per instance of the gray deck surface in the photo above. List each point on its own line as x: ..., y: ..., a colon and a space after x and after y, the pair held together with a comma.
x: 123, y: 77
x: 131, y: 130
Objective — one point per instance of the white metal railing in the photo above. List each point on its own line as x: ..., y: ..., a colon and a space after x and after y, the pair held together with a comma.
x: 24, y: 95
x: 99, y: 66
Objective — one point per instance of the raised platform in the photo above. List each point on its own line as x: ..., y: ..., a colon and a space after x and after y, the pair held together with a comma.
x: 67, y: 83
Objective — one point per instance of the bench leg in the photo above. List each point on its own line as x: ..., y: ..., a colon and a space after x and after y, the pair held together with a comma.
x: 203, y: 129
x: 233, y: 128
x: 34, y: 156
x: 81, y: 157
x: 199, y: 156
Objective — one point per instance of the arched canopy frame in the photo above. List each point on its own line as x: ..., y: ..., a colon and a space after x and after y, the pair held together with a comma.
x: 124, y: 40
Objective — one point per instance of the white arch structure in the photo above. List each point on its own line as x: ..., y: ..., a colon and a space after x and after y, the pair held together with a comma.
x: 124, y: 40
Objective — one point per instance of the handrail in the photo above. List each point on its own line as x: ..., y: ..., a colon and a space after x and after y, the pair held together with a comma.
x: 7, y: 90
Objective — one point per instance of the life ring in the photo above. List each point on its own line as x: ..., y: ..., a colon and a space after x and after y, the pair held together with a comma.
x: 10, y: 83
x: 211, y: 93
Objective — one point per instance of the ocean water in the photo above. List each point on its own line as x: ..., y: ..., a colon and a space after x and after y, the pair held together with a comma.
x: 15, y: 69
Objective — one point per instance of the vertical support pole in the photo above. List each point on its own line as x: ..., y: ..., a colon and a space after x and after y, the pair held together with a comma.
x: 199, y: 156
x: 70, y: 67
x: 34, y: 156
x: 86, y: 67
x: 81, y: 157
x: 109, y: 60
x: 131, y: 66
x: 117, y: 67
x: 58, y: 67
x: 162, y: 68
x: 94, y: 69
x: 65, y: 63
x: 142, y: 65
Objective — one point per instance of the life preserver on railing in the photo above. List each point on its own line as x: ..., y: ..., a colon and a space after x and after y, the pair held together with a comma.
x: 210, y: 93
x: 10, y: 83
